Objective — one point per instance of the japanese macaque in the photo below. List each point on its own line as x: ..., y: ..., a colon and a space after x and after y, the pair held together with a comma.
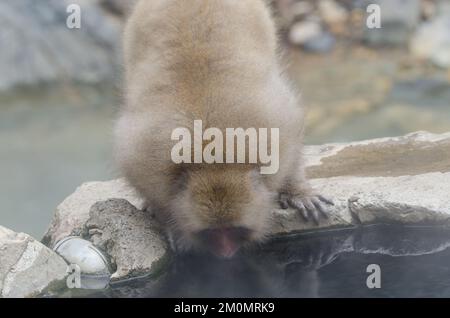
x: 215, y: 61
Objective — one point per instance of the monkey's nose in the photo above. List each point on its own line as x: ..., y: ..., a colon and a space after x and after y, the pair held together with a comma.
x: 224, y: 242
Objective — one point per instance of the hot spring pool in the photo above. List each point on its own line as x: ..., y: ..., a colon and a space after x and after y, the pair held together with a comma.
x: 413, y: 262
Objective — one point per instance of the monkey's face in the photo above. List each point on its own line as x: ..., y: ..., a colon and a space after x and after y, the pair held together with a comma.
x: 221, y: 209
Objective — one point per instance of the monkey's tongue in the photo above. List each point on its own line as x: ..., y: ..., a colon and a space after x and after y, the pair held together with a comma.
x: 224, y: 245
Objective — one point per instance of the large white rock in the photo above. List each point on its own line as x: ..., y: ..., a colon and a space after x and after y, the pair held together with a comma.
x: 423, y: 199
x: 395, y: 180
x: 27, y: 267
x: 413, y: 154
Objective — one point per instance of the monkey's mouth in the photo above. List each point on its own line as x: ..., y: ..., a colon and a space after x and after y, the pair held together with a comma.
x: 224, y: 242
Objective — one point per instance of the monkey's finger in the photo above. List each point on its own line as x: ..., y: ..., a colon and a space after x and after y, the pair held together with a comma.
x: 325, y: 199
x: 284, y: 205
x: 304, y: 213
x: 312, y: 210
x: 283, y: 201
x: 301, y: 208
x: 318, y: 204
x: 308, y: 205
x: 315, y: 216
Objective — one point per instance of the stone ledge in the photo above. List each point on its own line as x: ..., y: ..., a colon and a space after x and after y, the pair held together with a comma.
x: 411, y: 190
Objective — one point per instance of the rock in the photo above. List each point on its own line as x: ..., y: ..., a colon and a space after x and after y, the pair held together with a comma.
x: 432, y: 41
x: 413, y: 190
x: 304, y: 31
x: 332, y: 12
x: 300, y: 9
x: 287, y: 11
x: 399, y: 180
x: 288, y: 222
x: 398, y: 20
x: 409, y: 190
x: 429, y: 9
x: 73, y: 213
x: 27, y: 267
x: 414, y: 154
x: 130, y: 237
x: 406, y: 200
x: 38, y: 47
x: 323, y: 43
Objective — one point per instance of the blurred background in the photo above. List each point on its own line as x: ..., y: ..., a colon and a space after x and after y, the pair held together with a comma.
x: 60, y: 88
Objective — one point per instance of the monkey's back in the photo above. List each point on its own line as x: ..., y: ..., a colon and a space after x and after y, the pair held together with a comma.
x: 199, y: 56
x: 186, y: 60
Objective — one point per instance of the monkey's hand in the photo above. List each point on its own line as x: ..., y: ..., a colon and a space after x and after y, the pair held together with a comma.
x: 309, y: 205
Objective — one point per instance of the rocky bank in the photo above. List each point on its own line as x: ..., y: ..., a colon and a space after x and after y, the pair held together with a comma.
x: 400, y: 180
x: 39, y: 48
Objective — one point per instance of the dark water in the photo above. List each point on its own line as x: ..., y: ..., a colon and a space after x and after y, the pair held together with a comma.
x: 414, y: 262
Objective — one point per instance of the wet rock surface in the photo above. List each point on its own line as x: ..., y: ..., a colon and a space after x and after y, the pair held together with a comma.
x: 27, y: 267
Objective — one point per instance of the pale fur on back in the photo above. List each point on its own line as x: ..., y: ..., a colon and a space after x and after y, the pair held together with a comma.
x: 214, y: 60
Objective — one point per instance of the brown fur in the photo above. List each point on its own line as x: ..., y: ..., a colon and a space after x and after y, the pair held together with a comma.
x: 214, y: 60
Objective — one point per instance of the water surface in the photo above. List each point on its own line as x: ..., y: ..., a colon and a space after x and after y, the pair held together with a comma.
x: 414, y: 262
x: 53, y: 140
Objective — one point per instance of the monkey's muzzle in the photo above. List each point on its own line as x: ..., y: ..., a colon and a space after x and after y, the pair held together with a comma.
x: 224, y: 242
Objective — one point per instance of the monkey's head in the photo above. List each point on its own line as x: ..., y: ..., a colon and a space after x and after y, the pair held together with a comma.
x: 221, y: 208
